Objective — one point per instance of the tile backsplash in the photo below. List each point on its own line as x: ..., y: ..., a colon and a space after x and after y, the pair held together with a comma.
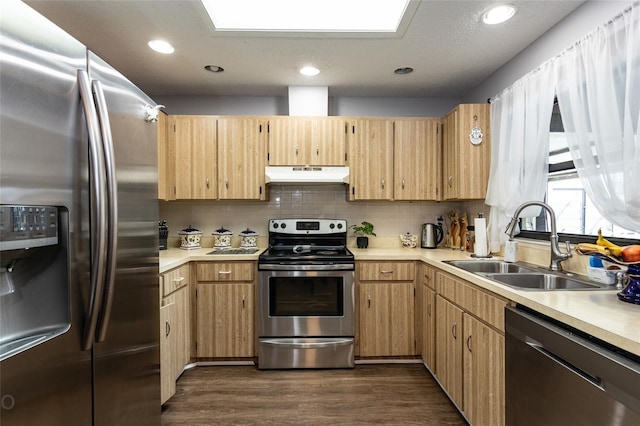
x: 308, y: 201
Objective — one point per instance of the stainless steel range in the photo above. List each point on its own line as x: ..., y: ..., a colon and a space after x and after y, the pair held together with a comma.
x: 306, y: 296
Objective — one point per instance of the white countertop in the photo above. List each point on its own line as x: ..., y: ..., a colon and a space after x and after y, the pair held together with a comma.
x: 598, y: 313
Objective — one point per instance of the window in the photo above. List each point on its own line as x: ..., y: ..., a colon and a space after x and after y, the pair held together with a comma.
x: 577, y: 219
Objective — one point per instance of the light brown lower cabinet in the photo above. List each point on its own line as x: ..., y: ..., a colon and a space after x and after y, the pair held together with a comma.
x: 225, y: 304
x: 483, y: 379
x: 449, y: 348
x: 175, y: 328
x: 167, y: 342
x: 470, y: 349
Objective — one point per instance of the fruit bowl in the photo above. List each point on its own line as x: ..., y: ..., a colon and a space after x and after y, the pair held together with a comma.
x: 631, y: 293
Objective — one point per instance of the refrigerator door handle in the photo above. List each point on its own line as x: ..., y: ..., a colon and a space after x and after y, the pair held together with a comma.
x: 98, y: 210
x: 112, y: 210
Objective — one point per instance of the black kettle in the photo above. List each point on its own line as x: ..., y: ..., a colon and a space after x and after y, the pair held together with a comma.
x: 432, y: 235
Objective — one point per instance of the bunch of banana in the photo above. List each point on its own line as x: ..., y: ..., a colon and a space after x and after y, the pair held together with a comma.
x: 614, y: 249
x: 588, y: 248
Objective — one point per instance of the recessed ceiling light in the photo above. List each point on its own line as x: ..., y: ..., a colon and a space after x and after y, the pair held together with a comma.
x: 213, y: 68
x: 309, y: 71
x: 307, y: 16
x: 498, y: 14
x: 403, y: 70
x: 161, y: 46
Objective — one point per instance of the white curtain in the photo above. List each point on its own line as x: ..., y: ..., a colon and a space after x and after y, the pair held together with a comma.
x: 520, y: 118
x: 598, y: 89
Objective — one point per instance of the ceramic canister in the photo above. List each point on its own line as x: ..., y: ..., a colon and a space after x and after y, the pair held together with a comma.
x: 222, y: 238
x: 190, y: 238
x: 248, y: 239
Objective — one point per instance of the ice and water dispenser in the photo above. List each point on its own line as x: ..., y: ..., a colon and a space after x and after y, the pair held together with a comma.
x: 34, y: 276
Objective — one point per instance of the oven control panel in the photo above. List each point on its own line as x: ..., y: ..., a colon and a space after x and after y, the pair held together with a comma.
x: 307, y: 226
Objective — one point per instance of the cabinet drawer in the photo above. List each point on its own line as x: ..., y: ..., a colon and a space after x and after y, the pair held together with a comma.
x: 386, y: 271
x: 487, y: 307
x: 427, y: 276
x: 228, y: 271
x: 175, y: 279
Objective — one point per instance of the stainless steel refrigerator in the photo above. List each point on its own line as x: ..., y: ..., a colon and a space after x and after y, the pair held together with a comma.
x: 79, y: 311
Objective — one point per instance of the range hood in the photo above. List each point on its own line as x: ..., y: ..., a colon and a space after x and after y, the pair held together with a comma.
x: 306, y: 174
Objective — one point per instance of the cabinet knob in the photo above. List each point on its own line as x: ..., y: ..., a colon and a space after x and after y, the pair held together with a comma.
x: 382, y: 183
x: 207, y: 183
x: 167, y: 328
x: 369, y: 300
x: 454, y: 330
x: 296, y: 149
x: 243, y: 297
x: 402, y: 183
x: 318, y: 150
x: 450, y: 181
x: 226, y: 182
x: 469, y: 343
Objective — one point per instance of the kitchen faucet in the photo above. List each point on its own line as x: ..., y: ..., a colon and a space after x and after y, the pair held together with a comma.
x: 557, y: 256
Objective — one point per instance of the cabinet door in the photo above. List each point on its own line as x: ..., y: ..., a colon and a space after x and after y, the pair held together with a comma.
x: 196, y: 157
x: 182, y: 330
x: 327, y: 142
x: 167, y: 377
x: 429, y: 327
x: 449, y: 337
x: 370, y: 159
x: 483, y: 373
x: 289, y: 141
x: 417, y: 160
x: 241, y: 158
x: 386, y: 319
x: 166, y: 160
x: 466, y: 172
x: 225, y: 320
x: 450, y: 173
x: 474, y: 160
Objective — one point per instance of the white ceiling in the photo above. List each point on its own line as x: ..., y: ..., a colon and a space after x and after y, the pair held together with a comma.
x: 446, y: 43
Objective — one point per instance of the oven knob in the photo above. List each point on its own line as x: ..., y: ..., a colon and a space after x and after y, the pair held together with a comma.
x: 275, y: 225
x: 284, y: 225
x: 339, y: 226
x: 332, y: 225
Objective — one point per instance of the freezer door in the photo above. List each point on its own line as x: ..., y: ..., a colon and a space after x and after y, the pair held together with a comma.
x: 42, y: 155
x: 127, y: 361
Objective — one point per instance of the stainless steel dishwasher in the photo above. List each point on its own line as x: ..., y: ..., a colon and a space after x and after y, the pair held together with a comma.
x: 556, y: 375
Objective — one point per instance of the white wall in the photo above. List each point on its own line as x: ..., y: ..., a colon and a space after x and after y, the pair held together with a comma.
x: 567, y: 32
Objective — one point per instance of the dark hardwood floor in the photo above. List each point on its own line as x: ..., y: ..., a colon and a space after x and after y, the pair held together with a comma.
x: 384, y: 394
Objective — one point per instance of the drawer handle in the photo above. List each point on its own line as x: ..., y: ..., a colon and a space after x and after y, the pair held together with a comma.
x: 387, y: 272
x: 177, y: 280
x: 454, y: 330
x: 224, y: 272
x: 469, y: 343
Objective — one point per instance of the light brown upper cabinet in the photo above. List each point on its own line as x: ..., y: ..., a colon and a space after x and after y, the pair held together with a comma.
x: 370, y: 159
x: 416, y: 159
x: 242, y: 153
x: 166, y: 161
x: 307, y: 141
x: 194, y: 138
x: 466, y: 152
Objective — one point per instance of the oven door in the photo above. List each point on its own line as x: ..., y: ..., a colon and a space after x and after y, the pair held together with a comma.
x: 306, y: 303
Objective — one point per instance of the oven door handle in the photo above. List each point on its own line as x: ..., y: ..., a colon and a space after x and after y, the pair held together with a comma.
x: 309, y: 267
x: 301, y: 344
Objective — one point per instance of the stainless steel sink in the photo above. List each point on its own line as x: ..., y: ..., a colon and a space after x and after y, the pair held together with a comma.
x: 490, y: 266
x: 527, y: 281
x: 526, y: 277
